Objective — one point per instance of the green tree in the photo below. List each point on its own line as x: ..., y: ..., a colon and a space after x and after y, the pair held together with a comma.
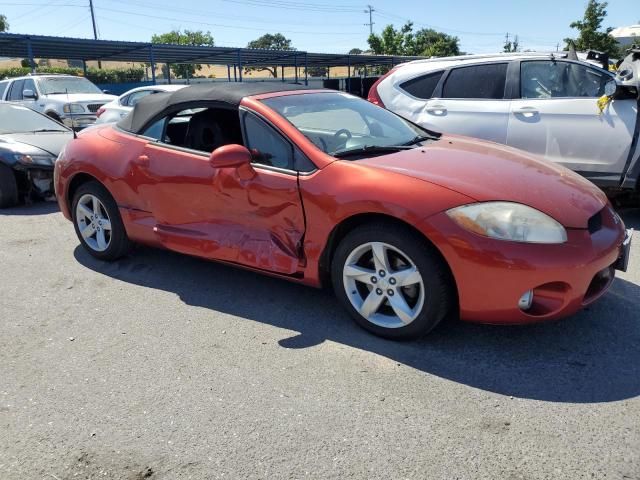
x: 4, y: 25
x: 424, y: 42
x: 510, y: 46
x: 269, y: 41
x: 590, y: 36
x: 355, y: 51
x: 187, y: 37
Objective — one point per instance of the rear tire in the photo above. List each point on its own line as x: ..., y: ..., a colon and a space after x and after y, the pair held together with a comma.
x: 392, y: 282
x: 8, y: 187
x: 98, y: 223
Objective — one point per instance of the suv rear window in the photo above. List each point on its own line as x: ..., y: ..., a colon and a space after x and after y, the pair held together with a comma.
x: 476, y: 81
x: 422, y: 86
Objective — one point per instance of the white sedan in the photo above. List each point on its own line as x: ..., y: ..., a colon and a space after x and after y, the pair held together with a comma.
x: 540, y: 103
x: 115, y: 110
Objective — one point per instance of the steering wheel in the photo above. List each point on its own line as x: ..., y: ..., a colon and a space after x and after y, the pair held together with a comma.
x: 342, y: 131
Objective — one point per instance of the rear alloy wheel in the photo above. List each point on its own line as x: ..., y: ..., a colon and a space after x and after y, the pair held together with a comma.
x: 8, y: 187
x: 391, y: 281
x: 98, y: 224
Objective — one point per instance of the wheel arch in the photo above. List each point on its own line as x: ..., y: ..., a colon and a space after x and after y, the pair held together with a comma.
x: 76, y: 182
x: 350, y: 223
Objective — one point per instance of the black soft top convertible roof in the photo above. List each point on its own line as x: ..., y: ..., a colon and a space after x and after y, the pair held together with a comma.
x: 232, y: 94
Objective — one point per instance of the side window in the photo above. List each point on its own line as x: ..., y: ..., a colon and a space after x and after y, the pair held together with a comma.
x: 155, y: 130
x: 124, y: 101
x: 15, y: 93
x: 476, y: 81
x: 3, y: 87
x: 557, y: 79
x: 266, y: 144
x: 28, y: 85
x: 137, y: 96
x: 423, y: 86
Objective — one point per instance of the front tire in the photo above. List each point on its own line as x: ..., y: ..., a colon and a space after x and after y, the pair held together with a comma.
x: 8, y: 187
x: 392, y: 282
x: 98, y: 223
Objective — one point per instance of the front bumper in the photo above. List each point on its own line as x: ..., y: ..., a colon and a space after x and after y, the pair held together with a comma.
x: 39, y: 177
x: 492, y: 275
x: 80, y: 121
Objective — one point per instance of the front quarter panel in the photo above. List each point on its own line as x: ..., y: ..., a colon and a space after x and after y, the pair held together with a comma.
x: 345, y: 189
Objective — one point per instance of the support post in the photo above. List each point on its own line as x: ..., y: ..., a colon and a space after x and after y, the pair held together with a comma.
x: 152, y: 61
x: 295, y: 63
x: 228, y: 73
x: 306, y: 74
x: 32, y: 64
x: 168, y: 73
x: 235, y: 73
x: 348, y: 82
x: 282, y: 72
x: 84, y: 68
x: 240, y: 65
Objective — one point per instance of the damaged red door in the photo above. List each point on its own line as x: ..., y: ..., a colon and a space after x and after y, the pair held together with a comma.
x: 250, y: 215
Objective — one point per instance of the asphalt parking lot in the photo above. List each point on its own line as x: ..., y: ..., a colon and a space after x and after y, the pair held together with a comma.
x: 164, y: 366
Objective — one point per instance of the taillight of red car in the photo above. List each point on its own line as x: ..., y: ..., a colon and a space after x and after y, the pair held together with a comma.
x: 374, y: 96
x: 100, y: 112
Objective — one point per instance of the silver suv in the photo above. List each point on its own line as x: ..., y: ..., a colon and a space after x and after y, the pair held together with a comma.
x: 70, y: 100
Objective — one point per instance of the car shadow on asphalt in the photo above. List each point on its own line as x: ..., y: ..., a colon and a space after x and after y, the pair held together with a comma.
x: 36, y: 208
x: 593, y: 356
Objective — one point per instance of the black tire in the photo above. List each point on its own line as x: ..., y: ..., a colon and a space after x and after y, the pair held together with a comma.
x: 439, y: 289
x: 119, y: 244
x: 8, y: 187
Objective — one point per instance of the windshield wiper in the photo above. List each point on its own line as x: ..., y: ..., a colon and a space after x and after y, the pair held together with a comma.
x: 418, y: 139
x: 370, y: 149
x: 48, y: 130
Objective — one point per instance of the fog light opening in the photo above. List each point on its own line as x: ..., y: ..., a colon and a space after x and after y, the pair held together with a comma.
x: 526, y: 300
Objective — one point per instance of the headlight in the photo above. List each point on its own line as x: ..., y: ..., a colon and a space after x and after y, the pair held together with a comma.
x: 509, y: 221
x: 35, y: 159
x: 73, y: 108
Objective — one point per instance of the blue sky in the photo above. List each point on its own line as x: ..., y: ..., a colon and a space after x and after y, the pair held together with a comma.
x: 315, y: 26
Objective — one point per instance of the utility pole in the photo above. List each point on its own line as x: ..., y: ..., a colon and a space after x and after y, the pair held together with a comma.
x: 370, y: 11
x: 95, y: 30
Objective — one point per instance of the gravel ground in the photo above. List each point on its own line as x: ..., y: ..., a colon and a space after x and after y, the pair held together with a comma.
x: 167, y: 367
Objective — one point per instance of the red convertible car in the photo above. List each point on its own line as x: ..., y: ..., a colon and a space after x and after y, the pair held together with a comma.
x: 320, y: 187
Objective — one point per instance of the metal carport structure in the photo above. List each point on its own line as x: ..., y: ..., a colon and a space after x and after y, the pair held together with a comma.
x: 64, y: 48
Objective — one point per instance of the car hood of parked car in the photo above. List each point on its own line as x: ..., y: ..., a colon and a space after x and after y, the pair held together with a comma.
x: 82, y: 97
x: 487, y: 171
x: 49, y: 142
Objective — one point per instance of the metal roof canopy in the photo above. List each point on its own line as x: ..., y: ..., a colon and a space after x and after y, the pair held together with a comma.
x: 64, y: 48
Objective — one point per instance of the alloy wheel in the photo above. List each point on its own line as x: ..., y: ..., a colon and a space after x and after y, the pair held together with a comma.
x: 93, y: 222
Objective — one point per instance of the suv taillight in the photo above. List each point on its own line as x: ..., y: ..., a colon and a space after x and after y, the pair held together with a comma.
x: 374, y: 96
x: 100, y: 112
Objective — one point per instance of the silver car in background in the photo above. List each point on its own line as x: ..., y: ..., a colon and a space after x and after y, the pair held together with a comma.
x: 545, y: 104
x: 121, y: 106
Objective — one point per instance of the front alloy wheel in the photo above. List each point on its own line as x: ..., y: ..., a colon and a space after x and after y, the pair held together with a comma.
x: 392, y: 281
x: 93, y: 222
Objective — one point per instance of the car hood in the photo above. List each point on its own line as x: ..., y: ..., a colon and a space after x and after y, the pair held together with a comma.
x: 82, y: 97
x: 50, y: 142
x: 487, y: 171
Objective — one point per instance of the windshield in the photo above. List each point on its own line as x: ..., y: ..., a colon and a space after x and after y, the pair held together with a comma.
x: 17, y: 119
x: 69, y: 85
x: 338, y: 123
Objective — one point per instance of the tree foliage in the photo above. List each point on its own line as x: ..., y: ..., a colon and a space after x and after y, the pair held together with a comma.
x: 4, y: 25
x: 269, y: 41
x: 404, y: 41
x: 186, y: 37
x: 590, y: 37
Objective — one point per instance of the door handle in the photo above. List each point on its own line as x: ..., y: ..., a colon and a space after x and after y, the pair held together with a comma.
x: 437, y: 109
x: 526, y: 111
x: 143, y: 161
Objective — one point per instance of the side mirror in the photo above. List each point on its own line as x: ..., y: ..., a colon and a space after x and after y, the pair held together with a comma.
x: 106, y: 91
x: 29, y: 94
x: 230, y: 156
x: 611, y: 88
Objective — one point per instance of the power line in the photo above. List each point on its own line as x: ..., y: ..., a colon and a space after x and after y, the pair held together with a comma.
x: 237, y: 27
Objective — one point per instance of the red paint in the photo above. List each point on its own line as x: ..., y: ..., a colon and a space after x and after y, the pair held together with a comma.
x: 222, y: 208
